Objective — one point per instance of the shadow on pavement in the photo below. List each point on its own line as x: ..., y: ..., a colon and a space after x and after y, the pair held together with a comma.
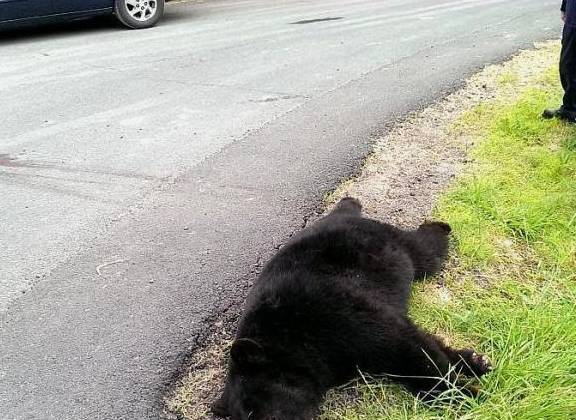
x: 57, y: 30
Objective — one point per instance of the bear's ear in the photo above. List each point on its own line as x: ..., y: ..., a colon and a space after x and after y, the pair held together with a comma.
x: 247, y: 354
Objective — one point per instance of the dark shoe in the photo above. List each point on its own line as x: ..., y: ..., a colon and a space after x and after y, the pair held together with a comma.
x: 551, y: 113
x: 561, y: 114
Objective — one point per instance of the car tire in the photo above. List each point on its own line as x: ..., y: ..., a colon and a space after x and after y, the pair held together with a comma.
x: 139, y: 14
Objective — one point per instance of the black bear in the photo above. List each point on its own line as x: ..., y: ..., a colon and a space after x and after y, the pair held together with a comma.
x: 332, y: 302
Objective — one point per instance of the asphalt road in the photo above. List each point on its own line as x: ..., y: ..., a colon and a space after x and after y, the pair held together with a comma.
x: 145, y: 174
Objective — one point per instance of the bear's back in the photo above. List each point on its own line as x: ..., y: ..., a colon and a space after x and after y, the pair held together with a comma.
x: 328, y: 288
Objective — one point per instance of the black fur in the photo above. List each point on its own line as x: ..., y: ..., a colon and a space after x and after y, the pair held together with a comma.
x: 334, y: 301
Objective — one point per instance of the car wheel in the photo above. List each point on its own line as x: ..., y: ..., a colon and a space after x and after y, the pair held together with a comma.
x: 139, y: 14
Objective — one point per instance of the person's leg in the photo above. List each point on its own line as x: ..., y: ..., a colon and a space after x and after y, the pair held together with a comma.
x: 568, y: 70
x: 563, y: 79
x: 567, y: 77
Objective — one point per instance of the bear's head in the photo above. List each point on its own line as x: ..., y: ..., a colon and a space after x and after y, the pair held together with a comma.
x: 258, y: 388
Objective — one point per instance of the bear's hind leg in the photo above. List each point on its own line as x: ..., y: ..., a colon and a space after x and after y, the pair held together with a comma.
x: 429, y: 247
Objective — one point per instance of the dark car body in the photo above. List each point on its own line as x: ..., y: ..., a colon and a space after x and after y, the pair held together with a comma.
x: 23, y: 12
x: 15, y: 13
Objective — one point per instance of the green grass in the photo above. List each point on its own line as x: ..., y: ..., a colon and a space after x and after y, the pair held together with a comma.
x: 510, y: 287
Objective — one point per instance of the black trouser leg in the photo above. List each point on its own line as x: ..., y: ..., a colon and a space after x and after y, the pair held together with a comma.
x: 568, y: 69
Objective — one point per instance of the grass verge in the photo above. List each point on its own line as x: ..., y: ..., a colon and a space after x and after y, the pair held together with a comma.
x: 510, y: 286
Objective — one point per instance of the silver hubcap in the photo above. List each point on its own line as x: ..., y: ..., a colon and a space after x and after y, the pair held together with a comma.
x: 142, y: 10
